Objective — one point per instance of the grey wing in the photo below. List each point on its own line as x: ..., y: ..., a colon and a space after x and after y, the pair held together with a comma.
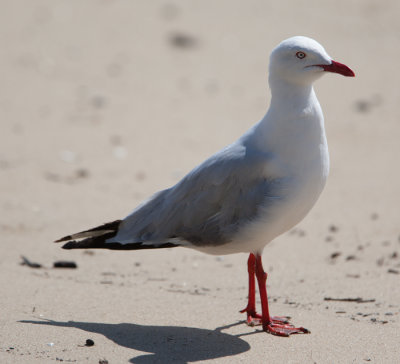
x: 207, y: 207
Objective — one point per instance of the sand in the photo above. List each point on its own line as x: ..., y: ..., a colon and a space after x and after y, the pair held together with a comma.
x: 102, y: 103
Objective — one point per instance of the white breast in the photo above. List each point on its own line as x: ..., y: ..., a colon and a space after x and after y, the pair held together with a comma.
x: 300, y: 157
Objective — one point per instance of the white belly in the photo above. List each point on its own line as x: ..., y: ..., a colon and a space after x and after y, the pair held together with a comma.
x: 275, y: 219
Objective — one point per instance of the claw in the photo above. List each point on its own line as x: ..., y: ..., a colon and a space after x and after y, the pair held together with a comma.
x: 285, y: 330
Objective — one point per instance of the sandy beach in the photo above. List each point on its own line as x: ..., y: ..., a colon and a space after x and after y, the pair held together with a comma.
x: 103, y: 103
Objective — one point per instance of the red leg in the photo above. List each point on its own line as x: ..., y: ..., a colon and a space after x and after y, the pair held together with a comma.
x: 253, y: 318
x: 269, y: 324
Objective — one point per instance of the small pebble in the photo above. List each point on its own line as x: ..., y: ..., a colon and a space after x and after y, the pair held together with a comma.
x: 89, y: 342
x: 335, y: 255
x: 353, y: 275
x: 333, y: 229
x: 180, y: 40
x: 82, y: 173
x: 64, y: 264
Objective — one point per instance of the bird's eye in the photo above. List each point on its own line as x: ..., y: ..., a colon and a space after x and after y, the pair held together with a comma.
x: 300, y: 55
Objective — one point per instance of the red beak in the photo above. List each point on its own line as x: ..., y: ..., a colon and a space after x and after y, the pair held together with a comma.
x: 337, y: 67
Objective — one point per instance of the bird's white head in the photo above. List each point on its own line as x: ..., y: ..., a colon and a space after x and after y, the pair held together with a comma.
x: 301, y: 60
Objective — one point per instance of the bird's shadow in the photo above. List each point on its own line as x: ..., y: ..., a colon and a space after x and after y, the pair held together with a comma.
x: 167, y: 344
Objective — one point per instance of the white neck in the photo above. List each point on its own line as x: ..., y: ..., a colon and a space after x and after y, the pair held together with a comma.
x: 289, y: 97
x: 294, y: 121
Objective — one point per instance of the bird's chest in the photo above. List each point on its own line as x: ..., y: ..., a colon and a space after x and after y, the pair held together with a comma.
x: 304, y: 166
x: 301, y: 167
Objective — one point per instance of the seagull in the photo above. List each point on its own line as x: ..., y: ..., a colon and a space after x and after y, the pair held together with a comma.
x: 249, y: 192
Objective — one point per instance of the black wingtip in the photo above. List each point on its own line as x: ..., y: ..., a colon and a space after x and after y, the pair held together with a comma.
x: 69, y: 245
x: 65, y: 238
x: 105, y: 229
x: 96, y: 243
x: 89, y: 243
